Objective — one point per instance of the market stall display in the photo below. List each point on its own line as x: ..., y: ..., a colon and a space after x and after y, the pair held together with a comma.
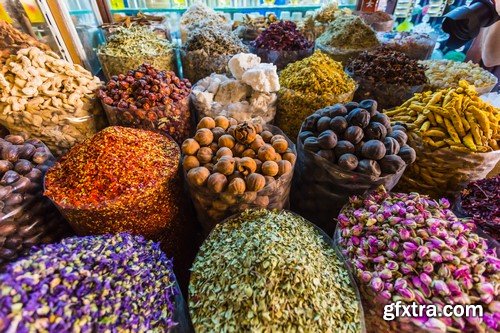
x: 480, y: 201
x: 316, y: 23
x: 251, y: 26
x: 344, y: 150
x: 346, y: 37
x: 157, y: 24
x: 282, y: 43
x: 199, y: 15
x: 378, y: 21
x: 129, y: 48
x: 388, y: 76
x: 249, y: 93
x: 232, y: 166
x: 208, y: 50
x: 120, y: 180
x: 149, y: 98
x: 418, y: 46
x: 308, y: 85
x: 455, y: 135
x: 443, y: 74
x: 49, y: 98
x: 409, y: 248
x: 13, y: 40
x: 281, y: 275
x: 27, y: 218
x: 96, y: 283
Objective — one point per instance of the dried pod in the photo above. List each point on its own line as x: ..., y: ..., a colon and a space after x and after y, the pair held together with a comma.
x: 284, y: 167
x: 34, y: 175
x: 26, y: 151
x: 204, y: 155
x: 23, y: 166
x: 227, y: 141
x: 9, y: 177
x: 222, y: 122
x: 246, y: 166
x: 22, y: 185
x: 15, y: 139
x: 224, y: 151
x: 40, y: 157
x: 236, y: 186
x: 270, y: 168
x: 255, y: 182
x: 190, y: 147
x: 189, y: 162
x: 225, y: 165
x: 10, y: 153
x: 204, y: 136
x: 323, y: 124
x: 266, y: 153
x: 206, y: 122
x: 245, y: 133
x: 5, y: 166
x: 218, y: 132
x: 198, y: 176
x: 280, y: 145
x: 217, y: 182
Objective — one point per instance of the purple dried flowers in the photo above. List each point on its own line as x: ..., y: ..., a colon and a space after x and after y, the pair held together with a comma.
x: 481, y: 201
x: 439, y: 259
x: 283, y: 36
x: 89, y: 284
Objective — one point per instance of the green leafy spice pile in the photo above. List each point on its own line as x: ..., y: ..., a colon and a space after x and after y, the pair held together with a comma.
x: 117, y: 283
x: 267, y: 271
x: 349, y: 32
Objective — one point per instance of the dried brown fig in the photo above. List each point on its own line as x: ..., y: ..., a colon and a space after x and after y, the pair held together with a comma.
x: 190, y: 147
x: 222, y: 122
x: 224, y: 151
x: 255, y: 182
x: 266, y: 153
x: 280, y: 145
x: 249, y: 153
x: 236, y: 186
x: 206, y: 122
x: 246, y: 166
x: 227, y: 141
x: 217, y: 182
x: 198, y: 176
x: 270, y: 168
x: 245, y: 133
x: 204, y: 136
x: 225, y: 165
x: 204, y: 155
x: 190, y: 162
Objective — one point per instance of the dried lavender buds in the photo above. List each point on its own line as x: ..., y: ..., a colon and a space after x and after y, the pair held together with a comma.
x: 410, y: 248
x: 282, y: 35
x: 121, y: 179
x: 279, y: 275
x: 89, y: 284
x: 149, y: 98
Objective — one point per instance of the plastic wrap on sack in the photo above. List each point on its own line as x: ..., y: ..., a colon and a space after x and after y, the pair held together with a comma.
x: 320, y: 188
x: 273, y: 196
x: 444, y: 172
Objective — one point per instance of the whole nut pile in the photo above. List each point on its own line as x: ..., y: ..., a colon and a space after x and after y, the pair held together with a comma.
x: 48, y: 98
x: 279, y: 275
x: 148, y: 98
x: 357, y: 138
x: 231, y: 167
x: 12, y: 40
x: 250, y: 93
x: 409, y: 248
x: 111, y: 283
x: 443, y: 74
x: 26, y: 217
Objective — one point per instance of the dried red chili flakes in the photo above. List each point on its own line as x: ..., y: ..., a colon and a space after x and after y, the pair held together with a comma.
x: 282, y: 35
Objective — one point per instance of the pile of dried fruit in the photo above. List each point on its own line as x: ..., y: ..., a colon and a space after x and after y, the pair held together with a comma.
x: 120, y: 180
x: 208, y: 50
x: 409, y: 248
x: 148, y: 98
x: 26, y: 217
x: 129, y: 48
x: 480, y: 200
x: 49, y: 98
x: 280, y: 275
x: 443, y: 74
x: 449, y: 129
x: 345, y: 150
x: 346, y: 37
x: 13, y: 40
x: 308, y: 85
x: 89, y: 284
x: 387, y: 76
x: 231, y: 167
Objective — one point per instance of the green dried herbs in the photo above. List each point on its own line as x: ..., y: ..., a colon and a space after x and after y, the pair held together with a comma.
x: 349, y: 32
x: 215, y: 41
x: 267, y: 271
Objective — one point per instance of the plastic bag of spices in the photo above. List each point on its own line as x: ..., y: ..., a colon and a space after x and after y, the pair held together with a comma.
x: 344, y: 150
x: 384, y: 252
x: 27, y: 218
x: 164, y: 108
x: 244, y: 166
x: 253, y: 243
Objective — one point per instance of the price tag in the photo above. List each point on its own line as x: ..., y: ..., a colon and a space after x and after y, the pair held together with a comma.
x: 369, y: 6
x: 117, y: 4
x: 4, y: 15
x: 33, y: 11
